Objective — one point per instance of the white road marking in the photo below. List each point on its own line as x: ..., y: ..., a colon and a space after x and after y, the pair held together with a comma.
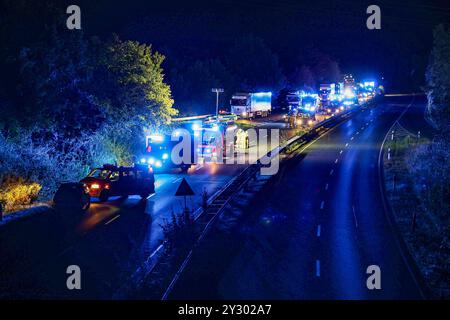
x: 346, y: 145
x: 318, y: 230
x: 322, y: 204
x: 116, y: 217
x: 340, y: 152
x: 357, y: 132
x: 354, y: 216
x: 326, y: 186
x: 351, y: 138
x: 331, y: 172
x: 317, y: 268
x: 336, y: 161
x: 176, y: 180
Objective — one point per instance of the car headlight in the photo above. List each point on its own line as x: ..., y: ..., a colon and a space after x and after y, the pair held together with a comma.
x: 151, y: 160
x: 143, y: 160
x: 165, y: 156
x: 158, y: 164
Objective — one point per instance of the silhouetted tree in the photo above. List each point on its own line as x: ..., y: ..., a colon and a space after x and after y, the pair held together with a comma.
x: 254, y: 65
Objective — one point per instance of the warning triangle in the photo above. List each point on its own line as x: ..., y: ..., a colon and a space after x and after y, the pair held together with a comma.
x: 184, y: 189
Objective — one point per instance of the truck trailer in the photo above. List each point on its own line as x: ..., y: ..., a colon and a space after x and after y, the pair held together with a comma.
x: 251, y: 105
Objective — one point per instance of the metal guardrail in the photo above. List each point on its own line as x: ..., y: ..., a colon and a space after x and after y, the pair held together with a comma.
x: 219, y: 201
x: 204, y: 116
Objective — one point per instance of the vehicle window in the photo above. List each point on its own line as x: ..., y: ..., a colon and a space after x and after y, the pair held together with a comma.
x: 142, y: 174
x: 114, y: 176
x: 128, y: 174
x: 100, y: 174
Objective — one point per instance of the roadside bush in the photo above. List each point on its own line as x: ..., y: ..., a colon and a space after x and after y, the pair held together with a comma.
x: 179, y: 233
x: 430, y: 165
x: 15, y: 193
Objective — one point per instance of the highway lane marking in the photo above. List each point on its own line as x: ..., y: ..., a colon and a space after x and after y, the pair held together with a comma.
x: 317, y: 268
x: 388, y: 218
x: 331, y: 172
x: 322, y: 204
x: 346, y: 145
x: 115, y: 218
x: 336, y: 161
x: 340, y: 152
x: 176, y: 180
x: 351, y: 138
x: 318, y: 230
x: 326, y: 186
x: 357, y: 132
x: 354, y: 216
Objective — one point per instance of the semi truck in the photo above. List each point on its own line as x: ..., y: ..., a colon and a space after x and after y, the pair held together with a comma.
x: 305, y: 113
x: 251, y: 105
x: 326, y: 90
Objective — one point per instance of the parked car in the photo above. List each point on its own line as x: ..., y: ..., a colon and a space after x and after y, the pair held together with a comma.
x: 72, y: 195
x: 111, y: 180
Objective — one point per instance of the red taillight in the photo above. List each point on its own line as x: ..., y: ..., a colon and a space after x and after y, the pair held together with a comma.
x: 106, y: 186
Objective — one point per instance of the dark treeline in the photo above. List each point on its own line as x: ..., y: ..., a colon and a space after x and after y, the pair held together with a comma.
x: 69, y: 102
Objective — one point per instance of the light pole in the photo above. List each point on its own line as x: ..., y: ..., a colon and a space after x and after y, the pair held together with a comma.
x: 217, y: 91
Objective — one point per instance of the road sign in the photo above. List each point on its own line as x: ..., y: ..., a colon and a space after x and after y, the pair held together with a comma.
x: 184, y: 189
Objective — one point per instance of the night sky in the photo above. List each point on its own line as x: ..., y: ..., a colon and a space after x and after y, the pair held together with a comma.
x: 202, y: 29
x: 195, y: 30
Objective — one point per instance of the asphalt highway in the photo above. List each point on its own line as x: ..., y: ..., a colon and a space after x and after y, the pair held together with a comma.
x: 320, y: 227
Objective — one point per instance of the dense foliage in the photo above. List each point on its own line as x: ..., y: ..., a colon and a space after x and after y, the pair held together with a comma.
x: 438, y: 80
x: 68, y: 103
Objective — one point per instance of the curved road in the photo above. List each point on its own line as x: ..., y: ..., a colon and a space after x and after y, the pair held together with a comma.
x: 320, y: 227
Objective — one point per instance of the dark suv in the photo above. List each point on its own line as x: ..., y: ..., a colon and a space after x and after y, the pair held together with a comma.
x: 111, y: 180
